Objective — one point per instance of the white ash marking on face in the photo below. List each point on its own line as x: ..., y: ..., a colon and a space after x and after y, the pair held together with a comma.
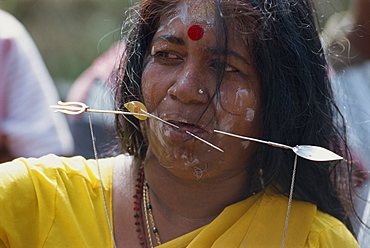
x: 250, y: 115
x: 245, y: 144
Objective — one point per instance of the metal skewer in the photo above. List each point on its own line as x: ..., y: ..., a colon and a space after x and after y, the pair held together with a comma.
x: 313, y: 153
x: 75, y: 108
x: 193, y: 135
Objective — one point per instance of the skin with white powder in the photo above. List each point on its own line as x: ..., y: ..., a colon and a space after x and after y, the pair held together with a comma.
x: 176, y: 68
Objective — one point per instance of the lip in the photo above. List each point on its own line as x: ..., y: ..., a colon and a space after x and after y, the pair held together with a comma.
x: 187, y: 122
x: 185, y: 125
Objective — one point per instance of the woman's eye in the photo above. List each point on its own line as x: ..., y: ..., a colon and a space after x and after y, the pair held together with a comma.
x: 166, y: 56
x: 229, y: 68
x: 219, y: 65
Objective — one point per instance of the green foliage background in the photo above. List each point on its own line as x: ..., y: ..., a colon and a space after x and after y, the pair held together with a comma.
x: 70, y: 34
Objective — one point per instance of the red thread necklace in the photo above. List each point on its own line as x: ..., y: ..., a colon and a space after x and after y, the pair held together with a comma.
x: 142, y: 207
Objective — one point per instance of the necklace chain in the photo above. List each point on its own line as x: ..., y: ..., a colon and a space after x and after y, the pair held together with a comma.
x: 149, y: 218
x: 109, y: 222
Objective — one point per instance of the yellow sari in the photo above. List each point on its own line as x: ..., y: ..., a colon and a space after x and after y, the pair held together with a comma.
x: 60, y: 204
x: 259, y: 222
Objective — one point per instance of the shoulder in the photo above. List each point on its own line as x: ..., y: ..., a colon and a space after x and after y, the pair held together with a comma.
x: 49, y: 169
x: 40, y: 184
x: 10, y: 27
x: 327, y: 231
x: 67, y: 191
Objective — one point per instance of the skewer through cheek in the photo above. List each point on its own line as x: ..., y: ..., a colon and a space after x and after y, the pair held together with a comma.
x: 135, y: 108
x: 138, y: 109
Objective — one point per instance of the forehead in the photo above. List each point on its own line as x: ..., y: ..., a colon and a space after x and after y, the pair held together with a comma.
x: 190, y: 11
x: 198, y: 12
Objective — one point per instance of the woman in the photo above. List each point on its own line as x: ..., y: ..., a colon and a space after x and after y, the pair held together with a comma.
x: 247, y: 67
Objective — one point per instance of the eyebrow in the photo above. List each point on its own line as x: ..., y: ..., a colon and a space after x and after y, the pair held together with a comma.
x: 217, y: 51
x: 171, y: 38
x: 222, y: 51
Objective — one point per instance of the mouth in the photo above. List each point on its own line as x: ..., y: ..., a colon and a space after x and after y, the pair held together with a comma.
x: 188, y: 127
x: 181, y: 130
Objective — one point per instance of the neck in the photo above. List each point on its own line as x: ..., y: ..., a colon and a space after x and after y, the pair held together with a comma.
x: 187, y: 204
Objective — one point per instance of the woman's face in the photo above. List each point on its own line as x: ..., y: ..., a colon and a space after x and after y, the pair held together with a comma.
x: 178, y: 83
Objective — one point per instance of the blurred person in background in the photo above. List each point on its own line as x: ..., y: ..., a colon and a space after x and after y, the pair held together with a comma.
x: 348, y: 37
x: 28, y: 127
x: 95, y: 87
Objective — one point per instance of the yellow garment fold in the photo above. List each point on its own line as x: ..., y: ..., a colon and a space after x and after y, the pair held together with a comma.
x: 259, y: 222
x: 60, y: 204
x: 54, y: 202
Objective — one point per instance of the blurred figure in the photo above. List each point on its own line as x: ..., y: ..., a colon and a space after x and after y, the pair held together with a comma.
x: 28, y: 127
x: 348, y: 36
x: 94, y: 87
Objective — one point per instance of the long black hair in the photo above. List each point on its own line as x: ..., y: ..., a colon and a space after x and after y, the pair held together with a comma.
x: 297, y: 100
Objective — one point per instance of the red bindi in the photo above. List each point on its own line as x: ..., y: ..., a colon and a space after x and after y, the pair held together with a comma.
x: 195, y: 32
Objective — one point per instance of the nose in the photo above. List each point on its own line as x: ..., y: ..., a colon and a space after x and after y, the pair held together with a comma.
x: 190, y: 86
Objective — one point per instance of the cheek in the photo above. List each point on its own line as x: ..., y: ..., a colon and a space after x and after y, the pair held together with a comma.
x: 245, y: 144
x: 154, y: 88
x: 237, y: 111
x: 156, y: 132
x: 241, y: 102
x: 235, y: 98
x: 223, y: 120
x: 239, y: 99
x: 250, y: 115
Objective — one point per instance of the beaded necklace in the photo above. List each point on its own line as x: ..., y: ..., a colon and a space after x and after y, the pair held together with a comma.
x: 142, y: 207
x: 137, y: 207
x: 148, y: 214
